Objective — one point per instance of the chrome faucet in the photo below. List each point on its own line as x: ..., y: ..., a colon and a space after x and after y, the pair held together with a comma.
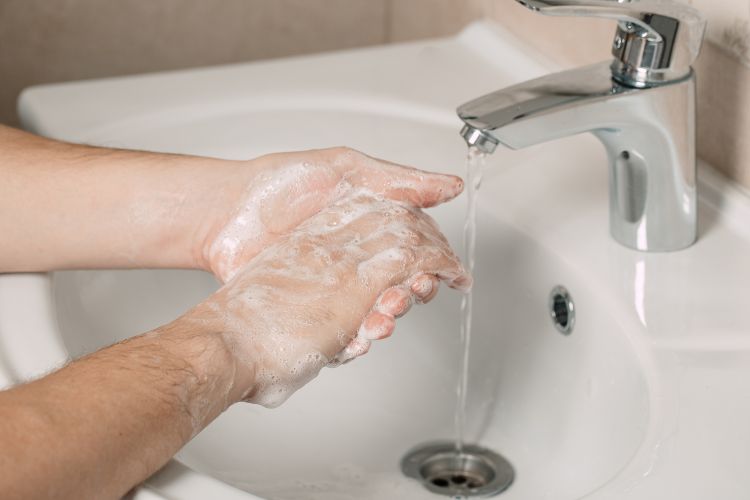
x: 641, y: 106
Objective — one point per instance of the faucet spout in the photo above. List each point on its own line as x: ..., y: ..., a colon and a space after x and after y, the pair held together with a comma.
x: 649, y: 135
x: 522, y: 115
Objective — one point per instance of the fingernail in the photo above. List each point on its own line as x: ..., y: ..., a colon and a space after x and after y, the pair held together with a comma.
x: 459, y: 185
x: 456, y: 187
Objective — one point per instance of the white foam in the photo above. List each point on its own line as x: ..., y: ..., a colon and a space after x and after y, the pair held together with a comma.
x: 298, y: 305
x: 248, y: 227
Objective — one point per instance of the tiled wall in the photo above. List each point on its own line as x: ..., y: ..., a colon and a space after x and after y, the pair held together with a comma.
x: 45, y: 41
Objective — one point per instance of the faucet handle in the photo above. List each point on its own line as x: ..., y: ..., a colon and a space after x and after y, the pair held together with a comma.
x: 656, y: 40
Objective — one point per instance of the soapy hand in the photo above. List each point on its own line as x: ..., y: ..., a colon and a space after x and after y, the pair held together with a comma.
x: 299, y: 304
x: 280, y: 191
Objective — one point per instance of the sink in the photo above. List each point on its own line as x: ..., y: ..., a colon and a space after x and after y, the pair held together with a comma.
x: 573, y: 409
x: 647, y: 396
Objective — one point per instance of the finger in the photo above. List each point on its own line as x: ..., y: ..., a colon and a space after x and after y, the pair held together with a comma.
x: 462, y: 283
x: 425, y: 287
x: 395, y: 265
x: 357, y: 347
x: 418, y: 188
x: 394, y: 302
x: 399, y: 243
x: 376, y: 326
x: 440, y: 261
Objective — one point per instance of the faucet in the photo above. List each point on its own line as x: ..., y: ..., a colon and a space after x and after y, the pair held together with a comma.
x: 641, y: 106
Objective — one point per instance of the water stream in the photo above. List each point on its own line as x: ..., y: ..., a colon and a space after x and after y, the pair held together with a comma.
x: 474, y: 166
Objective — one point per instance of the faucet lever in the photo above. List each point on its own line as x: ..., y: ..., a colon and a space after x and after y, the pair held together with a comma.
x: 656, y: 40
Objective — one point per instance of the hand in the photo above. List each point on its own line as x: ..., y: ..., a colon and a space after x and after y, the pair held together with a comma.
x: 283, y: 190
x: 294, y: 307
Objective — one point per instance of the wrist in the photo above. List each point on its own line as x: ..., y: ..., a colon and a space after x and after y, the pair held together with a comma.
x: 220, y: 194
x: 210, y: 377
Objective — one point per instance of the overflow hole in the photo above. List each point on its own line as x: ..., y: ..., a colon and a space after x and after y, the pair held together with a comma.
x: 562, y: 310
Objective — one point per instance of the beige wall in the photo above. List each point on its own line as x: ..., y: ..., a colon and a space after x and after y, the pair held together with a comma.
x: 47, y: 41
x: 58, y: 40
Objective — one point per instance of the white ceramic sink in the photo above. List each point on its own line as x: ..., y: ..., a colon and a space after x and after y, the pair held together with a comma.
x: 648, y: 398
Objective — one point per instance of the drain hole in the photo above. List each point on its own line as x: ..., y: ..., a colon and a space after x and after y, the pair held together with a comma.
x: 475, y: 471
x: 562, y: 309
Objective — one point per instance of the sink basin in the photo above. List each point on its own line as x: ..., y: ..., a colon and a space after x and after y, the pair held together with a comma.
x: 573, y: 409
x: 647, y: 397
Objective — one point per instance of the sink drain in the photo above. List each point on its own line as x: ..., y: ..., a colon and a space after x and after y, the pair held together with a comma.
x: 475, y: 472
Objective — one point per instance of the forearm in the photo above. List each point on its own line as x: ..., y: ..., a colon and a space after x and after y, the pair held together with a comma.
x: 108, y: 421
x: 72, y: 206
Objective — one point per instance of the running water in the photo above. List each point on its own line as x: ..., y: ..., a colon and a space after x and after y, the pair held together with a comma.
x: 474, y: 166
